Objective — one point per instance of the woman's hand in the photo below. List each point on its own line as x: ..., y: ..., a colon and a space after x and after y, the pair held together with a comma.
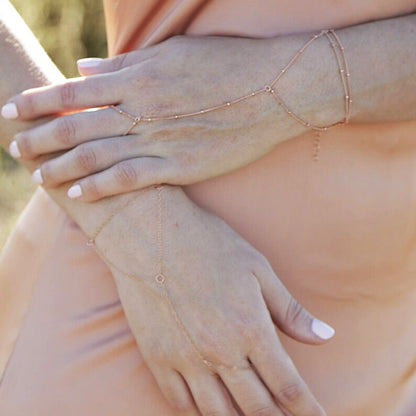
x: 180, y: 75
x: 227, y: 300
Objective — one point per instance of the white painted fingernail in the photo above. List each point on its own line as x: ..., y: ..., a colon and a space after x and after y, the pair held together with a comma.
x: 14, y: 150
x: 89, y: 62
x: 9, y: 111
x: 37, y: 177
x: 322, y: 330
x: 74, y: 191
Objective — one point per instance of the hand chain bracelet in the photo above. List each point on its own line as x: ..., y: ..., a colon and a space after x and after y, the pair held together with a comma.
x: 338, y: 49
x: 160, y: 276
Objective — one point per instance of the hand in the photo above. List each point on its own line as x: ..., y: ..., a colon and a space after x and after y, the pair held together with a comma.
x: 180, y: 75
x: 227, y: 298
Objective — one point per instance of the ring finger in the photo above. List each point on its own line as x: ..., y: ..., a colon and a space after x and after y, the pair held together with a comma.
x: 93, y: 157
x: 211, y: 397
x: 69, y: 131
x: 249, y: 392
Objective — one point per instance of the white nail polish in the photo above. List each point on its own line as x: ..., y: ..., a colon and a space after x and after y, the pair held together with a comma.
x: 37, y: 177
x: 89, y: 62
x: 322, y: 330
x: 74, y: 191
x: 9, y: 111
x: 14, y: 150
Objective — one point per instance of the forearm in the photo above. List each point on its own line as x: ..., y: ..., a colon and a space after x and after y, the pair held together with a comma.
x: 386, y: 44
x: 382, y: 64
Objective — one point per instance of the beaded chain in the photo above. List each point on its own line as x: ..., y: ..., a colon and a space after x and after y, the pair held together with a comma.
x: 160, y: 276
x: 338, y: 49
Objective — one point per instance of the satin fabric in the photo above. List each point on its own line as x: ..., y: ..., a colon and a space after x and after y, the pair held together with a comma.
x: 340, y: 233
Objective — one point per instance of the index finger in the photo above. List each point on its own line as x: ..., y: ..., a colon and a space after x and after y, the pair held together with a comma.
x: 73, y: 94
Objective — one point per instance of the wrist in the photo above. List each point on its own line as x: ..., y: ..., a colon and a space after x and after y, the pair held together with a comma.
x: 312, y: 88
x: 129, y: 234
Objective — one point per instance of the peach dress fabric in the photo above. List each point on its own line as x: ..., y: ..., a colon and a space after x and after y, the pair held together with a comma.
x: 339, y: 232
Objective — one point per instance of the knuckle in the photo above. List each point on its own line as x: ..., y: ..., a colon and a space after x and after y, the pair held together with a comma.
x: 251, y: 326
x: 28, y: 103
x: 250, y: 332
x: 187, y: 358
x: 263, y: 410
x: 125, y: 174
x: 86, y: 159
x: 47, y: 174
x: 290, y: 394
x: 263, y: 263
x: 90, y: 189
x: 65, y: 131
x: 212, y: 413
x: 216, y: 350
x: 24, y: 144
x: 294, y: 312
x: 174, y: 40
x: 179, y: 404
x: 154, y: 352
x: 67, y: 94
x: 119, y: 61
x: 150, y: 75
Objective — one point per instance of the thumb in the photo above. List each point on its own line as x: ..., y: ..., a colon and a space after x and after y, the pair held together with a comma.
x: 290, y: 316
x: 93, y: 66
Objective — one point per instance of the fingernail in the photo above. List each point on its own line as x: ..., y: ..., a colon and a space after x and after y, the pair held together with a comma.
x: 14, y: 150
x: 74, y: 191
x: 89, y: 62
x: 37, y: 177
x: 322, y: 330
x: 9, y: 111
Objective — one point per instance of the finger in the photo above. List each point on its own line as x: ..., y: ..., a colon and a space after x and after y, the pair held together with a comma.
x: 73, y: 94
x: 176, y: 392
x: 279, y: 374
x: 92, y: 157
x: 91, y: 66
x: 249, y: 392
x: 210, y: 395
x: 123, y: 177
x: 69, y: 131
x: 288, y: 314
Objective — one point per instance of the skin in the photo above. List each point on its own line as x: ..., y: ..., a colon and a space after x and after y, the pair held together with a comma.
x: 141, y: 296
x: 186, y: 151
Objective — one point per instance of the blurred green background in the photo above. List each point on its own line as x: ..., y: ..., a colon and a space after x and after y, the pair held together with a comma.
x: 68, y: 30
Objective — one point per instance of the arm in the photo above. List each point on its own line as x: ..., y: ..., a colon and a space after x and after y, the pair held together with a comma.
x: 175, y: 151
x: 202, y: 242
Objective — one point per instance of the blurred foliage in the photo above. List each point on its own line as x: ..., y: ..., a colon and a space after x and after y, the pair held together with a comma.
x: 67, y: 29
